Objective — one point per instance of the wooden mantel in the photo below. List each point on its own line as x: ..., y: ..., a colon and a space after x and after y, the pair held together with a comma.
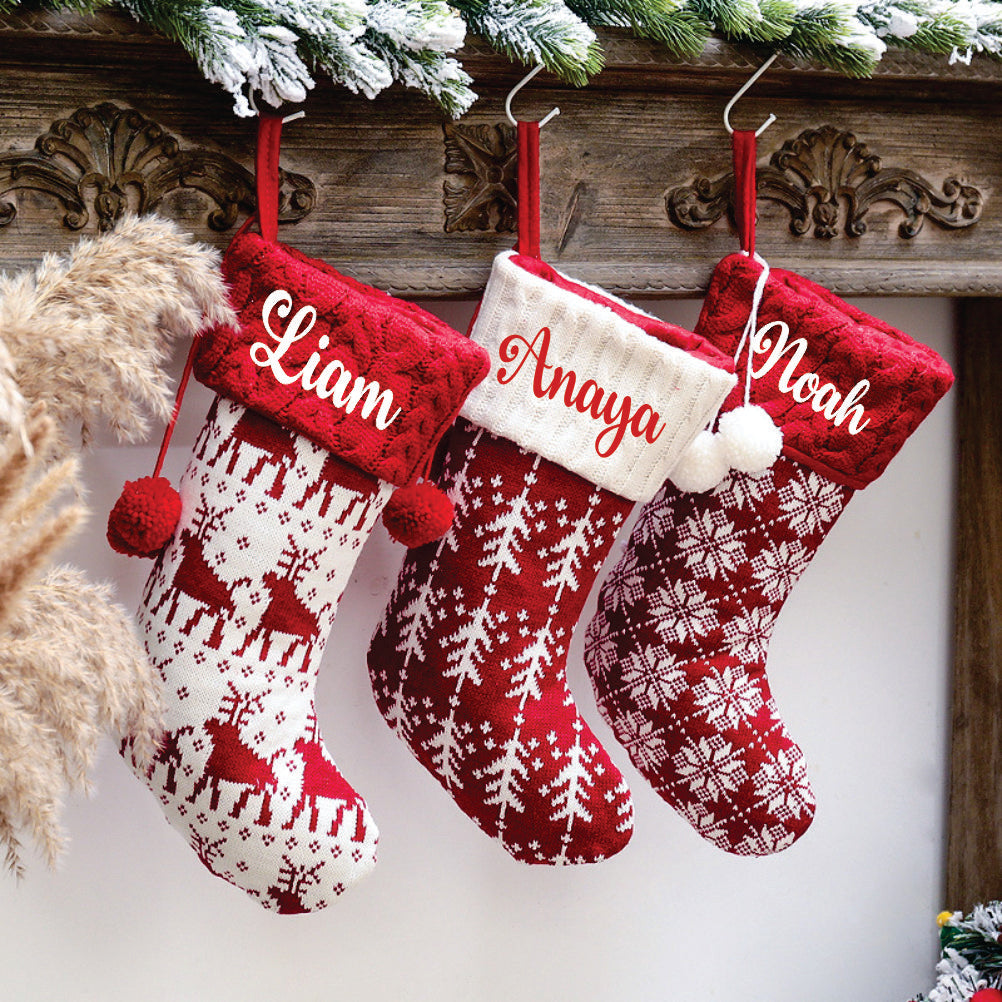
x: 890, y: 186
x: 914, y: 149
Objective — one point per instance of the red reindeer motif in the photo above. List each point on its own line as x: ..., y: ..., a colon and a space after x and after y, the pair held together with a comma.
x: 209, y: 431
x: 169, y: 753
x: 321, y: 779
x: 196, y: 579
x: 334, y: 474
x: 276, y: 444
x: 233, y: 761
x: 286, y: 612
x: 293, y: 881
x: 205, y: 850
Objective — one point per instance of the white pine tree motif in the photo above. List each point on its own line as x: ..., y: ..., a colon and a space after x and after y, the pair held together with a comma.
x: 509, y: 772
x: 570, y: 551
x: 398, y: 708
x: 469, y: 645
x: 571, y: 789
x: 511, y: 529
x: 463, y: 495
x: 417, y: 616
x: 536, y: 658
x: 447, y: 747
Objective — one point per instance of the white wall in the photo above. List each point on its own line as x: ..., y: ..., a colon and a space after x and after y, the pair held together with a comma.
x: 859, y: 666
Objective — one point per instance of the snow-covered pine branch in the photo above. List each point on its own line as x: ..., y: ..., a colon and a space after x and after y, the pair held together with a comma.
x: 272, y: 48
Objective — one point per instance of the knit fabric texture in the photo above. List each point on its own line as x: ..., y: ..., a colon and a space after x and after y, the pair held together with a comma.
x: 371, y: 378
x: 235, y: 616
x: 678, y: 645
x: 607, y: 392
x: 846, y: 388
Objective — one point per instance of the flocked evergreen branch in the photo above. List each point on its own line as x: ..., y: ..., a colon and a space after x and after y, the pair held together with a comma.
x: 670, y: 22
x: 971, y: 957
x: 536, y: 31
x: 271, y: 49
x: 833, y: 33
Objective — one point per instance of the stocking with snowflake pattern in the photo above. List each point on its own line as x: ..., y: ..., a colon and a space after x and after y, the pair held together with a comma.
x: 588, y: 404
x: 677, y: 648
x: 330, y: 394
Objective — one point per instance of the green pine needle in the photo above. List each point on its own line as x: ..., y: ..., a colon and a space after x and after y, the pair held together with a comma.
x: 536, y: 31
x: 667, y: 21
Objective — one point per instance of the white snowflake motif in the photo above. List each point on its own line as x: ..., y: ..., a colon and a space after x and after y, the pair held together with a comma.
x: 685, y: 612
x: 652, y: 677
x: 727, y: 697
x: 712, y: 767
x: 747, y: 636
x: 710, y: 545
x: 657, y: 521
x: 645, y: 745
x: 781, y: 785
x: 743, y: 490
x: 810, y: 502
x: 627, y: 584
x: 705, y: 822
x: 777, y: 569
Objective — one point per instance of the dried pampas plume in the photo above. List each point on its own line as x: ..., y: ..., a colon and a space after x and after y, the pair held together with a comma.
x: 83, y: 336
x: 89, y: 331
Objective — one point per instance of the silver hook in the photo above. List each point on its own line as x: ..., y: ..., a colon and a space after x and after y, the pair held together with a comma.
x: 517, y: 88
x: 737, y: 97
x: 254, y: 108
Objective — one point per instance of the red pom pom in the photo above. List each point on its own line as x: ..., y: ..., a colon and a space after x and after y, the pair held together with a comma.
x: 987, y: 995
x: 144, y: 517
x: 417, y: 514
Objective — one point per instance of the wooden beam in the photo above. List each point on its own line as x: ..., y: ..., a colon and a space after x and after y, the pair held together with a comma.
x: 890, y: 186
x: 974, y: 856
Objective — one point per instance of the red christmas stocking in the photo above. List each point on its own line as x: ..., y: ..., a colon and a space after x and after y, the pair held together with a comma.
x: 330, y: 393
x: 677, y: 648
x: 588, y: 406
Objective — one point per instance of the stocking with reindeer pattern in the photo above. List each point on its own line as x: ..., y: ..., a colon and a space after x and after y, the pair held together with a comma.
x: 331, y: 394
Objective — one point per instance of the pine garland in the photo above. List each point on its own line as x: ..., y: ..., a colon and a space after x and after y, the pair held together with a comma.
x: 271, y: 50
x: 971, y: 956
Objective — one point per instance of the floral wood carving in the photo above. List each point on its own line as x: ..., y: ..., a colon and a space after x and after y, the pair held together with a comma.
x: 482, y: 193
x: 108, y: 160
x: 828, y: 180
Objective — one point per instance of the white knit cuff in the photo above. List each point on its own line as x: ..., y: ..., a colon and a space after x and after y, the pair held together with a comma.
x: 577, y: 383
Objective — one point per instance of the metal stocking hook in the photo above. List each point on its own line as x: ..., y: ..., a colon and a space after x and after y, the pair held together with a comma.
x: 744, y: 89
x: 517, y: 88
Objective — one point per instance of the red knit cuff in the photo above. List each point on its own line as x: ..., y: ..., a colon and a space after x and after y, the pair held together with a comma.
x: 846, y: 388
x: 374, y: 379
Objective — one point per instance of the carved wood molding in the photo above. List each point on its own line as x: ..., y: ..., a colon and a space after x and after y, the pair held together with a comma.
x: 482, y: 192
x: 828, y: 181
x: 105, y: 160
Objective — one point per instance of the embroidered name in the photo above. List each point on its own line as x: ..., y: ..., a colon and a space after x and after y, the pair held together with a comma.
x: 603, y: 405
x: 824, y: 397
x: 333, y: 382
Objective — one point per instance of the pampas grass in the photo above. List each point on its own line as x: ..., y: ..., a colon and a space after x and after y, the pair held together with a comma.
x: 83, y: 337
x: 89, y: 331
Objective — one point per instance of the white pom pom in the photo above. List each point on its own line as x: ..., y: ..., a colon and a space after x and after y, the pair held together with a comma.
x: 702, y: 466
x: 749, y: 439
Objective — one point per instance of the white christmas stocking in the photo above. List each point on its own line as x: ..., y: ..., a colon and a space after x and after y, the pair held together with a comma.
x: 331, y: 393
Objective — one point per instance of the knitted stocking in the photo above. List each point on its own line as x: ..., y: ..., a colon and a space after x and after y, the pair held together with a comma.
x: 318, y: 418
x: 585, y: 411
x: 677, y: 648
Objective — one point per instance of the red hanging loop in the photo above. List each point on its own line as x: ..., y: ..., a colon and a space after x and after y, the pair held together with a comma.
x: 528, y: 188
x: 743, y: 144
x: 269, y: 143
